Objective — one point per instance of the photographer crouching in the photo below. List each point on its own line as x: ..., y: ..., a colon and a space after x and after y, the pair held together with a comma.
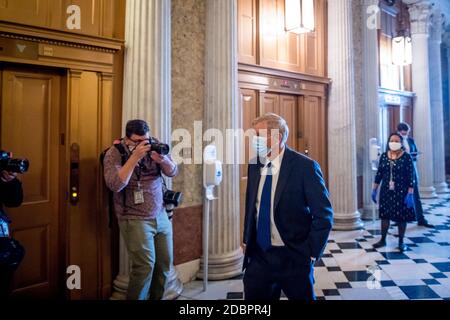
x: 132, y: 170
x: 11, y: 195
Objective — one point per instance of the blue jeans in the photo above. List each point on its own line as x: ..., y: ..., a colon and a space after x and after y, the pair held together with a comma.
x: 150, y: 249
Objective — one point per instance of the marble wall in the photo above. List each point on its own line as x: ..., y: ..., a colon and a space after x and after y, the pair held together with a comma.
x: 188, y: 40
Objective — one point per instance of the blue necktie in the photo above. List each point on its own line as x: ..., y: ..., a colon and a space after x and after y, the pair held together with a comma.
x: 263, y: 232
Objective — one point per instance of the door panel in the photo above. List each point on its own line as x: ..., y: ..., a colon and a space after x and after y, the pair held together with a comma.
x: 407, y: 116
x: 312, y: 137
x: 271, y: 103
x: 248, y: 103
x: 247, y: 15
x: 288, y: 110
x: 30, y: 123
x: 393, y: 118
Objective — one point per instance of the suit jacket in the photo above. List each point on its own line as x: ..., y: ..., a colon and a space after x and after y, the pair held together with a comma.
x: 413, y: 148
x: 11, y: 193
x: 302, y: 210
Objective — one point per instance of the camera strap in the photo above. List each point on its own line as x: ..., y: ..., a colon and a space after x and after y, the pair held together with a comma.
x: 164, y: 185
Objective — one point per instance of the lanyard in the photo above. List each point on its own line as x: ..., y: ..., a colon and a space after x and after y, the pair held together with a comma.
x: 391, y: 165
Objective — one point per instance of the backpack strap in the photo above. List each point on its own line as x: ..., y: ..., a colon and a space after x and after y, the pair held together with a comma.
x: 124, y: 158
x: 121, y: 148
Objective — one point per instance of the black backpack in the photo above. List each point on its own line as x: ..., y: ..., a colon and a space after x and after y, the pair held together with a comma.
x: 124, y: 157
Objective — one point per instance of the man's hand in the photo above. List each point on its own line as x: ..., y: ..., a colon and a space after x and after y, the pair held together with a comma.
x: 7, y: 176
x: 141, y: 150
x: 158, y: 158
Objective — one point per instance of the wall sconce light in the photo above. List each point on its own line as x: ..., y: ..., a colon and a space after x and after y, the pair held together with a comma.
x: 401, y: 51
x: 299, y: 16
x: 401, y: 43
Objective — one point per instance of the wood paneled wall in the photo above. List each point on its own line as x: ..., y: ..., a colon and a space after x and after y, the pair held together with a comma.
x: 89, y: 61
x: 391, y: 76
x: 102, y: 18
x: 263, y: 41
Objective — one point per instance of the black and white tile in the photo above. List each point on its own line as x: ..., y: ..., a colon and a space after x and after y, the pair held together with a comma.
x: 351, y: 269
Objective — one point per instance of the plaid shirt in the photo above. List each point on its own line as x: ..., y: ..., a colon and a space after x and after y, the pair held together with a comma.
x: 150, y: 181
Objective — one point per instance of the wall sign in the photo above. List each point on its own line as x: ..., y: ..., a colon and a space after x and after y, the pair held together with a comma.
x: 390, y: 99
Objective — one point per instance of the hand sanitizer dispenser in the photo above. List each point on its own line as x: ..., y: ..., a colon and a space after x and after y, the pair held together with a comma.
x: 374, y: 153
x: 212, y: 176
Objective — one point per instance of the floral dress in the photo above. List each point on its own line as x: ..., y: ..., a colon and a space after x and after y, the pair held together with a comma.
x: 393, y: 194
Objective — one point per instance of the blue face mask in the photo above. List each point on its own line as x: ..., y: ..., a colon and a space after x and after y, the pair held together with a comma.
x: 259, y: 144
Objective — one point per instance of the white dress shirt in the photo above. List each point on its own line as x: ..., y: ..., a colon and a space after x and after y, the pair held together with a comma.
x: 275, y: 169
x: 406, y: 145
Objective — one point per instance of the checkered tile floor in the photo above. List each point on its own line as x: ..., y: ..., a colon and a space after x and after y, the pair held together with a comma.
x: 351, y: 269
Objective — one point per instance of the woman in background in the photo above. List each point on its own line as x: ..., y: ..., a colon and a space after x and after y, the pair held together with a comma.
x: 396, y: 175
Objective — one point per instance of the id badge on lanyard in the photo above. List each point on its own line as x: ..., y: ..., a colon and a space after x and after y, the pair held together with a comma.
x: 391, y: 180
x: 138, y: 195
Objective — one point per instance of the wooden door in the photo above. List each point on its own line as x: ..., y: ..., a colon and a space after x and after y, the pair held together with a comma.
x: 270, y: 103
x: 407, y: 116
x: 393, y: 118
x: 30, y: 128
x: 288, y: 110
x: 248, y: 104
x: 312, y: 130
x: 286, y: 107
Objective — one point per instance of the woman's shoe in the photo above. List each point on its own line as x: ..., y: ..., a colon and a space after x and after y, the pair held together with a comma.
x: 379, y: 244
x: 403, y: 247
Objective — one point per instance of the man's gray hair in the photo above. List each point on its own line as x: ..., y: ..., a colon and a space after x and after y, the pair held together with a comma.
x: 274, y: 121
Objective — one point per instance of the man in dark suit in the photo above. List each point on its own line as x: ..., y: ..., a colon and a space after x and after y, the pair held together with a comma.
x: 411, y: 147
x: 288, y: 217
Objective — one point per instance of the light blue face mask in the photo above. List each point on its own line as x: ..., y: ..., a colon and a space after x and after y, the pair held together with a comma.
x: 259, y: 144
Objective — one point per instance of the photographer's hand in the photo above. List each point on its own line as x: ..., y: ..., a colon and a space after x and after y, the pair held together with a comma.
x: 168, y: 166
x: 138, y: 153
x: 158, y: 158
x: 8, y: 176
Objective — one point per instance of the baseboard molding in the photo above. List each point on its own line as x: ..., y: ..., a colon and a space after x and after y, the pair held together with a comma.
x: 188, y: 271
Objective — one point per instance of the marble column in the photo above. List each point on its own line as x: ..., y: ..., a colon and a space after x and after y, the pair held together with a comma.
x: 341, y: 117
x: 147, y: 93
x: 371, y: 107
x: 420, y: 11
x: 447, y: 107
x: 221, y: 112
x: 437, y: 111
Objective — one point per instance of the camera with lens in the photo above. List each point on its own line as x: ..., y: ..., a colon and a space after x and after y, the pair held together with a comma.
x: 159, y: 147
x: 171, y: 200
x: 10, y: 164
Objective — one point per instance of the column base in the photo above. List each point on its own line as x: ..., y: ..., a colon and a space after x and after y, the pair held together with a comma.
x: 173, y: 290
x: 347, y: 221
x: 442, y: 188
x: 427, y: 192
x: 224, y: 266
x: 370, y: 212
